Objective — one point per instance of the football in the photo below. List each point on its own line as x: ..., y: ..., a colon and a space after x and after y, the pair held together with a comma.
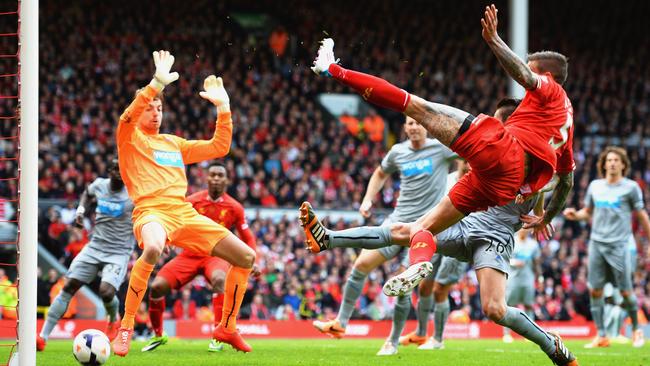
x: 91, y: 347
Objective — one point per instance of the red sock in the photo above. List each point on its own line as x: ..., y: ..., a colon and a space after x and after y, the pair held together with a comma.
x: 156, y: 310
x: 423, y: 246
x: 373, y: 89
x: 217, y: 307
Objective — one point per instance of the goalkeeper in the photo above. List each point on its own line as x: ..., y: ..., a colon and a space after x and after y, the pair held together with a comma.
x: 153, y: 168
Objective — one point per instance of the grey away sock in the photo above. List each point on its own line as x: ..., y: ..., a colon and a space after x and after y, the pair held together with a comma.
x: 55, y: 312
x: 518, y: 321
x: 440, y: 314
x: 597, y: 313
x: 111, y: 308
x: 425, y: 306
x: 367, y: 237
x: 351, y: 292
x: 631, y: 306
x: 400, y: 314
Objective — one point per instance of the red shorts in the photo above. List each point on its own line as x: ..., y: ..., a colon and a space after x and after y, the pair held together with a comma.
x: 182, y: 269
x: 497, y: 162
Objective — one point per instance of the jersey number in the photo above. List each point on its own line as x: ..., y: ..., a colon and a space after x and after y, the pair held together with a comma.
x: 564, y: 130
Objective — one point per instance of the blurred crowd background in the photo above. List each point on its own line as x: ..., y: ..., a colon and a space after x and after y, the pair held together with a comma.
x: 286, y: 148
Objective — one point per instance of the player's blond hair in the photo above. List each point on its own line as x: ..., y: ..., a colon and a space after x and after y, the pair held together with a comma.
x: 602, y: 159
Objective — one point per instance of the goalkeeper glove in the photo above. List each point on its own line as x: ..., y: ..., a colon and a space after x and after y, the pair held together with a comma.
x: 216, y: 93
x: 163, y: 61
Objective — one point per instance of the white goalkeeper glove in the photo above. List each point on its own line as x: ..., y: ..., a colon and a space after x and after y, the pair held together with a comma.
x: 163, y: 61
x: 216, y: 93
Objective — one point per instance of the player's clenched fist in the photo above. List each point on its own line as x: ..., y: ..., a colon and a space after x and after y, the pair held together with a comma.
x: 163, y: 60
x: 215, y: 93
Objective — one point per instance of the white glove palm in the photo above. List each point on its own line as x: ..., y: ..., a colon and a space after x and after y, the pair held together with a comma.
x: 215, y: 93
x: 163, y: 77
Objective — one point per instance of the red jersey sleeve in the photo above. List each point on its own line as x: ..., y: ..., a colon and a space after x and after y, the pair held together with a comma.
x: 546, y: 88
x: 244, y: 232
x: 194, y: 198
x: 565, y: 162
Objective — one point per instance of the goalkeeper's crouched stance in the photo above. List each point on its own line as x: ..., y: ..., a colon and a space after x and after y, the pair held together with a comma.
x: 153, y: 168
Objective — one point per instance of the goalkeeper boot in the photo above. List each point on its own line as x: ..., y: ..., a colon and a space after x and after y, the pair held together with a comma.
x: 315, y: 232
x: 324, y: 58
x: 234, y: 339
x: 156, y: 342
x: 403, y: 283
x: 122, y: 342
x: 332, y: 328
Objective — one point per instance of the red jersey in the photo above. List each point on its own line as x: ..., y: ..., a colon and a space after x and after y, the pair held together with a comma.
x: 543, y: 125
x: 225, y: 211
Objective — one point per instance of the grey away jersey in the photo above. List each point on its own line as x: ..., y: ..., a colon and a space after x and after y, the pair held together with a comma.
x: 498, y: 222
x: 526, y: 251
x: 113, y: 232
x: 423, y: 176
x: 612, y: 206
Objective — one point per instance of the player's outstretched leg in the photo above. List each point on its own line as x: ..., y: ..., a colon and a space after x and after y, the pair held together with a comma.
x: 57, y: 309
x: 423, y: 246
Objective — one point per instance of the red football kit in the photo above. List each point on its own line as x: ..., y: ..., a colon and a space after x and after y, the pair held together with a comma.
x: 541, y: 126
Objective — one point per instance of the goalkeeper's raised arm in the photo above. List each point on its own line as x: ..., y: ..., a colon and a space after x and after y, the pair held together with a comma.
x: 218, y: 146
x: 145, y: 111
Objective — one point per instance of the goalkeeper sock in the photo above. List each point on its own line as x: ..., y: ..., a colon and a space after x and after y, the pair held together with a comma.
x: 371, y: 88
x: 423, y: 246
x: 217, y: 307
x: 236, y: 283
x: 156, y: 310
x: 351, y: 292
x: 137, y: 288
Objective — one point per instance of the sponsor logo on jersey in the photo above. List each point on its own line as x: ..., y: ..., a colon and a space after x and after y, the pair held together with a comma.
x: 608, y: 202
x: 110, y: 208
x: 168, y: 158
x: 422, y: 166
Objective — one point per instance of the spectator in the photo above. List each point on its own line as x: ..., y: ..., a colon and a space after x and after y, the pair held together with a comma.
x: 374, y: 127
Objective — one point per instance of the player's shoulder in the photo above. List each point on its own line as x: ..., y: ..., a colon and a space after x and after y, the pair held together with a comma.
x: 630, y: 183
x: 100, y: 182
x: 197, y: 196
x: 232, y: 201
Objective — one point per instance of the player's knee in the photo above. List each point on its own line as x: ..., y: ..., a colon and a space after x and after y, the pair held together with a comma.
x: 106, y: 292
x: 426, y: 288
x: 495, y: 310
x: 362, y: 265
x: 152, y: 252
x: 400, y: 233
x: 596, y: 293
x: 247, y: 259
x: 71, y: 286
x: 159, y: 287
x: 218, y: 283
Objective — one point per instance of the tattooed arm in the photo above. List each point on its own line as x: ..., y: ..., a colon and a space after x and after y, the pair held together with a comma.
x: 514, y: 66
x: 560, y: 193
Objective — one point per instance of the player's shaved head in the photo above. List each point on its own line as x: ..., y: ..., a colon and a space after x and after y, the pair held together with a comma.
x: 549, y: 61
x: 505, y: 107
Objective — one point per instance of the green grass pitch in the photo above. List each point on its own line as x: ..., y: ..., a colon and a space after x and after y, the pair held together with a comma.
x: 352, y: 352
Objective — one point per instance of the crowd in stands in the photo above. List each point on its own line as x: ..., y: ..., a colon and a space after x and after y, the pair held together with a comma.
x: 287, y: 149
